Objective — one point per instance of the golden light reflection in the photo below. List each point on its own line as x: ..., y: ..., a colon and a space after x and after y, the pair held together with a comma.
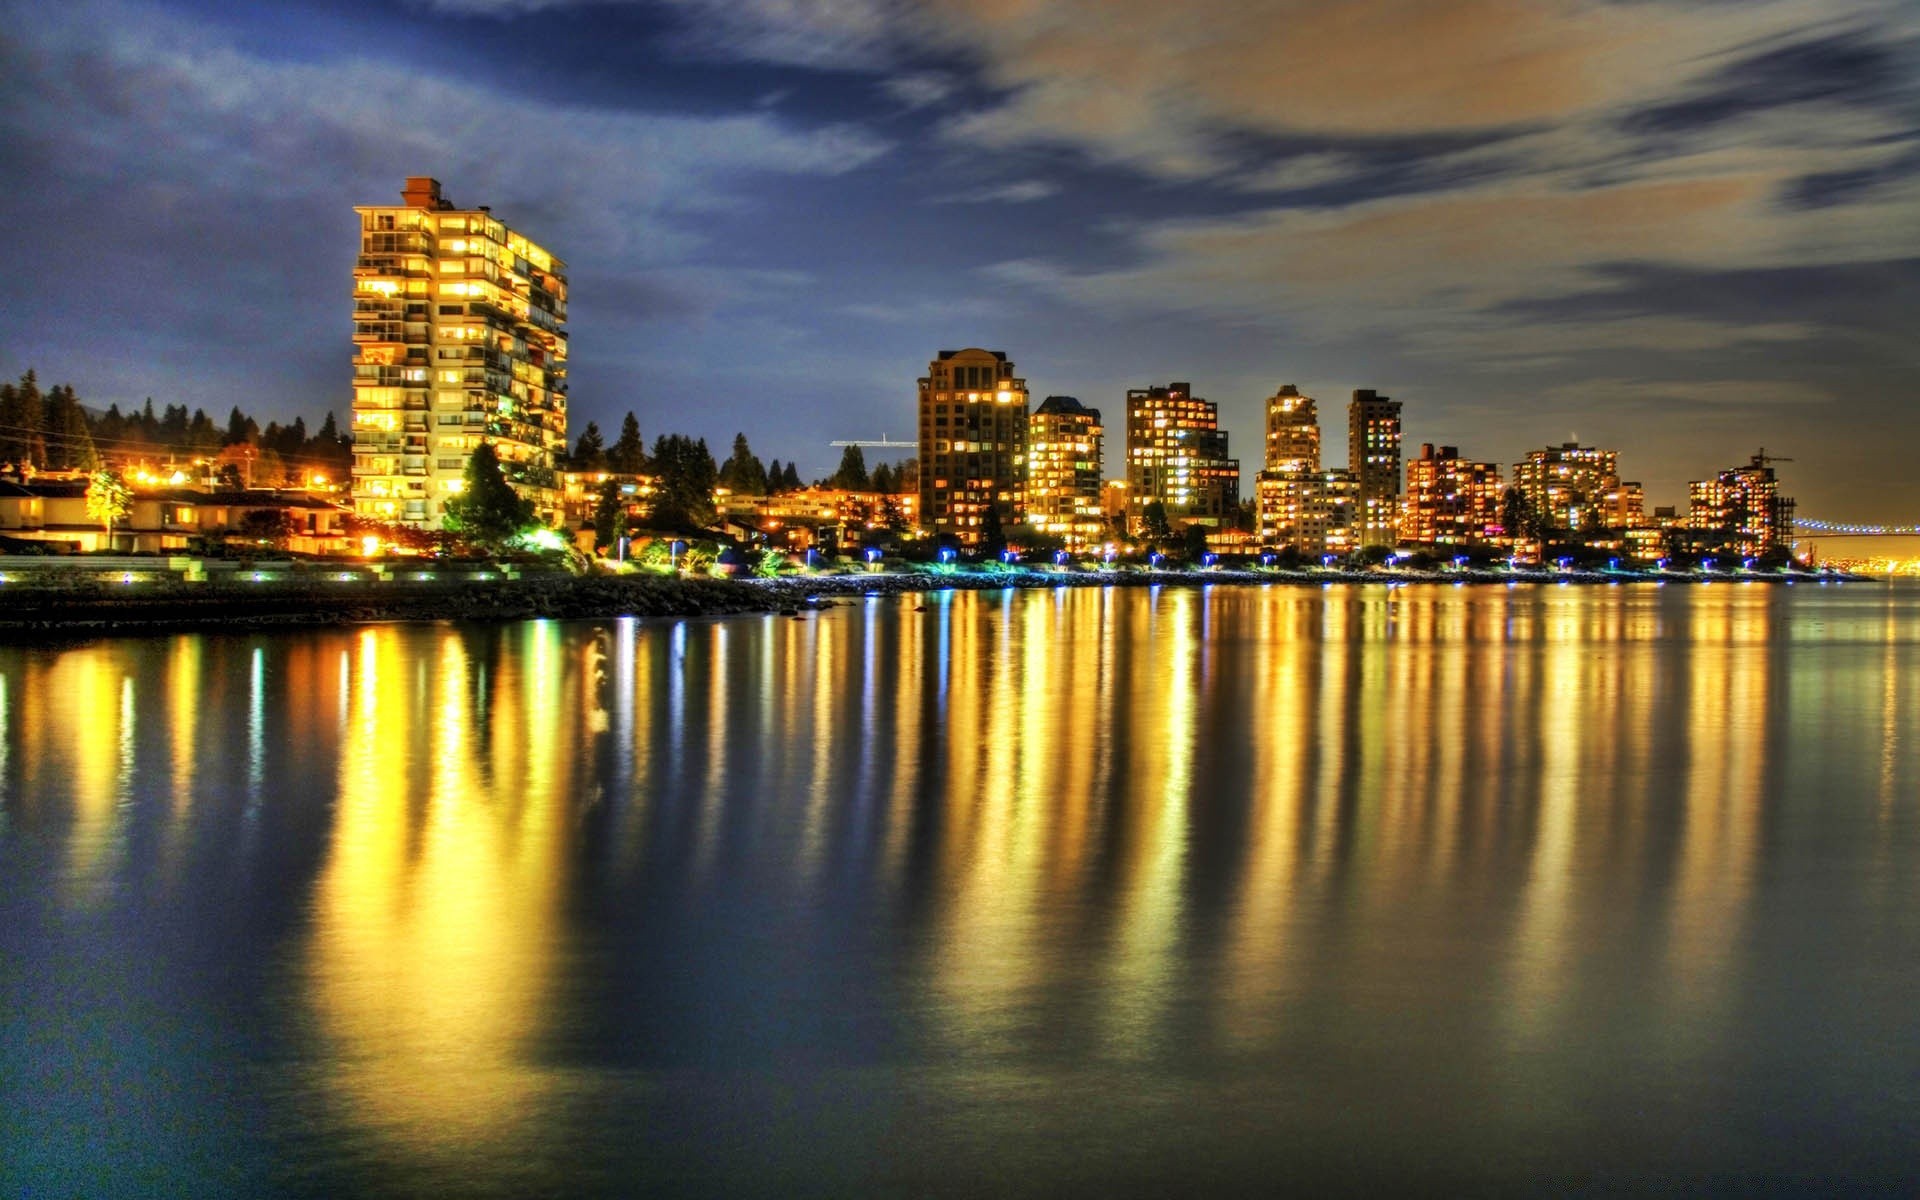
x: 435, y: 931
x: 1727, y: 708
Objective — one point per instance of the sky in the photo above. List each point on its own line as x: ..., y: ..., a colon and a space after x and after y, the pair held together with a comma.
x: 1686, y: 230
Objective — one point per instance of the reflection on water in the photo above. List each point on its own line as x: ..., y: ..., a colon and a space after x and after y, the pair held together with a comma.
x: 1339, y: 885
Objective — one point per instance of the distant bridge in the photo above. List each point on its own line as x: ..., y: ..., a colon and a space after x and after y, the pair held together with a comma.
x: 1832, y: 529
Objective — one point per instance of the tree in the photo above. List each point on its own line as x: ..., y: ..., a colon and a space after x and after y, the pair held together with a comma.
x: 23, y: 420
x: 1195, y: 542
x: 69, y: 444
x: 993, y: 538
x: 487, y: 512
x: 272, y: 526
x: 1153, y: 520
x: 743, y: 472
x: 883, y: 480
x: 628, y: 455
x: 590, y: 452
x: 609, y: 516
x: 852, y: 475
x: 1518, y: 516
x: 685, y: 475
x: 790, y: 482
x: 109, y: 500
x: 776, y: 478
x: 240, y: 427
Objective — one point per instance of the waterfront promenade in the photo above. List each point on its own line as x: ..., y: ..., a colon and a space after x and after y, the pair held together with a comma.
x: 129, y: 594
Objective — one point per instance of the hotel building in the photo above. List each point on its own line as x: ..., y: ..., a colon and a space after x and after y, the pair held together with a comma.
x: 1373, y: 457
x: 1063, y: 472
x: 973, y: 444
x: 459, y: 338
x: 1177, y: 455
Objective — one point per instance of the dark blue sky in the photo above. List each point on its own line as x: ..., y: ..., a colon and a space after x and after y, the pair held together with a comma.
x: 1683, y: 229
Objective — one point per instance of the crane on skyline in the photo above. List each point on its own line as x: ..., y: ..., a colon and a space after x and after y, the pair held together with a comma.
x: 883, y: 441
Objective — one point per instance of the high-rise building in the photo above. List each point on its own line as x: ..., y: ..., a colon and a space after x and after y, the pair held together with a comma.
x: 1293, y: 432
x: 1292, y: 463
x: 1740, y: 511
x: 973, y: 445
x: 1577, y: 489
x: 458, y: 339
x: 1330, y: 514
x: 1063, y: 471
x: 1450, y: 501
x: 1177, y: 456
x: 1373, y: 456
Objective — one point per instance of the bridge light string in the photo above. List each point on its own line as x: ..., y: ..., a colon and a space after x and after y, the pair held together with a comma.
x: 1817, y: 526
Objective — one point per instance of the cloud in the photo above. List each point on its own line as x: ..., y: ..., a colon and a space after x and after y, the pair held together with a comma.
x: 1161, y: 86
x: 198, y: 197
x: 1302, y: 171
x: 1713, y: 395
x: 1024, y: 191
x: 920, y: 89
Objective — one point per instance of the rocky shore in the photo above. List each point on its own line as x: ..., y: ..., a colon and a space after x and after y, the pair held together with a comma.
x: 95, y: 607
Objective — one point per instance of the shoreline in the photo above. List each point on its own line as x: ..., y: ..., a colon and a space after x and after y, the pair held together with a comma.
x: 30, y: 612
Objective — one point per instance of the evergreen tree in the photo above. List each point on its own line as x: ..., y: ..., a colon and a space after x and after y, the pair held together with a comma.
x: 628, y: 455
x: 487, y: 512
x: 1517, y: 515
x: 70, y: 444
x: 743, y: 472
x: 883, y: 480
x: 590, y: 452
x: 203, y: 436
x: 609, y: 517
x: 776, y: 480
x: 852, y: 474
x: 240, y: 427
x: 993, y: 538
x: 685, y: 475
x: 791, y: 481
x: 23, y: 423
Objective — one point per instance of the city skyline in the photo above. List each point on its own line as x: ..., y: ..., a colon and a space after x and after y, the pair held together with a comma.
x: 1704, y: 251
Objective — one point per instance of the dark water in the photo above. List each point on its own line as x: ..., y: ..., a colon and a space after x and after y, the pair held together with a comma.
x: 1101, y: 893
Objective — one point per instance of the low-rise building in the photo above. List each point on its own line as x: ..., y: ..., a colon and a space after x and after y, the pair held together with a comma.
x: 179, y: 519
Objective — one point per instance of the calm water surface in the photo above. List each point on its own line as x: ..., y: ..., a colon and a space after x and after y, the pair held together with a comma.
x: 1042, y: 893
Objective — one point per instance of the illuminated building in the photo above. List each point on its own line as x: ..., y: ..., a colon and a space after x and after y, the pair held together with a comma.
x: 1293, y: 432
x: 973, y: 444
x: 1063, y: 471
x: 1177, y: 455
x: 1577, y: 489
x: 1293, y: 460
x: 1373, y: 457
x: 1739, y: 511
x: 1450, y: 501
x: 458, y: 339
x: 805, y: 517
x: 1330, y: 514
